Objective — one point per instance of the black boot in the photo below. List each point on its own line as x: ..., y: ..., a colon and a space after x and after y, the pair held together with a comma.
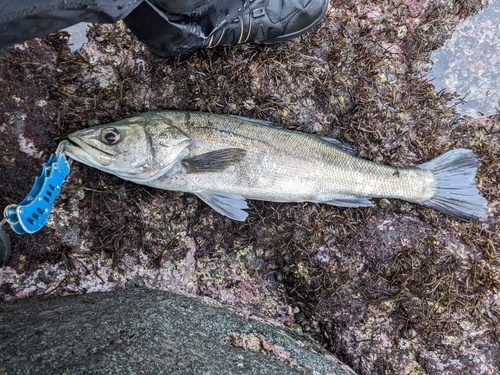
x: 270, y: 21
x: 21, y: 20
x: 221, y: 23
x: 169, y: 32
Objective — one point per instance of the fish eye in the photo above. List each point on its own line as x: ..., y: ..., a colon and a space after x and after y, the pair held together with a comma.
x: 110, y: 136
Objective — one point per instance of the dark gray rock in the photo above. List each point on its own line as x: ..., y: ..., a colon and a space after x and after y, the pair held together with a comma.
x: 148, y: 331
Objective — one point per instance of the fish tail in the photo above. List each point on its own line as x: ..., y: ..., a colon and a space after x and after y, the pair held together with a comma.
x: 456, y: 192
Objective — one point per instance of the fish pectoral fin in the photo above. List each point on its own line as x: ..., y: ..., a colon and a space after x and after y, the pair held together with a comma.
x: 350, y: 202
x: 230, y: 205
x: 213, y: 161
x: 339, y: 144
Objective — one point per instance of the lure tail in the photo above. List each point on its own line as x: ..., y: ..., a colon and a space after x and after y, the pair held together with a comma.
x: 456, y: 192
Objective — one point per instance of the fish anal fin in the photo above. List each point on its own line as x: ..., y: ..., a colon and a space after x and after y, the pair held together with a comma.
x: 230, y: 205
x: 349, y: 202
x: 213, y: 161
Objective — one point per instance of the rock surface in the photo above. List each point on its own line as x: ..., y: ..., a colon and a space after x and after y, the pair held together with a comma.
x: 140, y: 331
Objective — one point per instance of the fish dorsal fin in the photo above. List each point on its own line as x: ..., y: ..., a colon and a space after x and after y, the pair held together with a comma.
x: 213, y: 161
x: 230, y: 205
x: 339, y: 144
x: 254, y: 120
x: 349, y: 202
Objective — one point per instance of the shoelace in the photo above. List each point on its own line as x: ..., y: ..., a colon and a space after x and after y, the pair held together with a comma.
x: 255, y: 13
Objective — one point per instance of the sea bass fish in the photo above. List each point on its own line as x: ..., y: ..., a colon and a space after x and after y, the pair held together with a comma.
x: 225, y: 160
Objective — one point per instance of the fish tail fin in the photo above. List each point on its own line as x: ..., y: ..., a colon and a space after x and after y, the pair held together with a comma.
x: 456, y: 192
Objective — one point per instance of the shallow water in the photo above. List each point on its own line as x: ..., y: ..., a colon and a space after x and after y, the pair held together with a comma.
x: 469, y: 63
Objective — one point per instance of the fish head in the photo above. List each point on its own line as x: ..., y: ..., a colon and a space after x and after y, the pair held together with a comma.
x: 130, y: 149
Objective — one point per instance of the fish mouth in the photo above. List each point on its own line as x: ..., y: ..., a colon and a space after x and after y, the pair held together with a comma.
x: 87, y: 153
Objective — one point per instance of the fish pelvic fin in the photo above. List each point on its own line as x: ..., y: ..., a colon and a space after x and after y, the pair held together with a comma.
x: 456, y: 192
x: 213, y: 161
x: 230, y: 205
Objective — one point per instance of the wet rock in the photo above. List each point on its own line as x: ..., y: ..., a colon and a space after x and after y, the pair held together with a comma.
x: 145, y: 331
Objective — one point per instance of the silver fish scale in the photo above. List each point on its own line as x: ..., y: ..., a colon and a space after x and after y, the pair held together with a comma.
x: 285, y: 166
